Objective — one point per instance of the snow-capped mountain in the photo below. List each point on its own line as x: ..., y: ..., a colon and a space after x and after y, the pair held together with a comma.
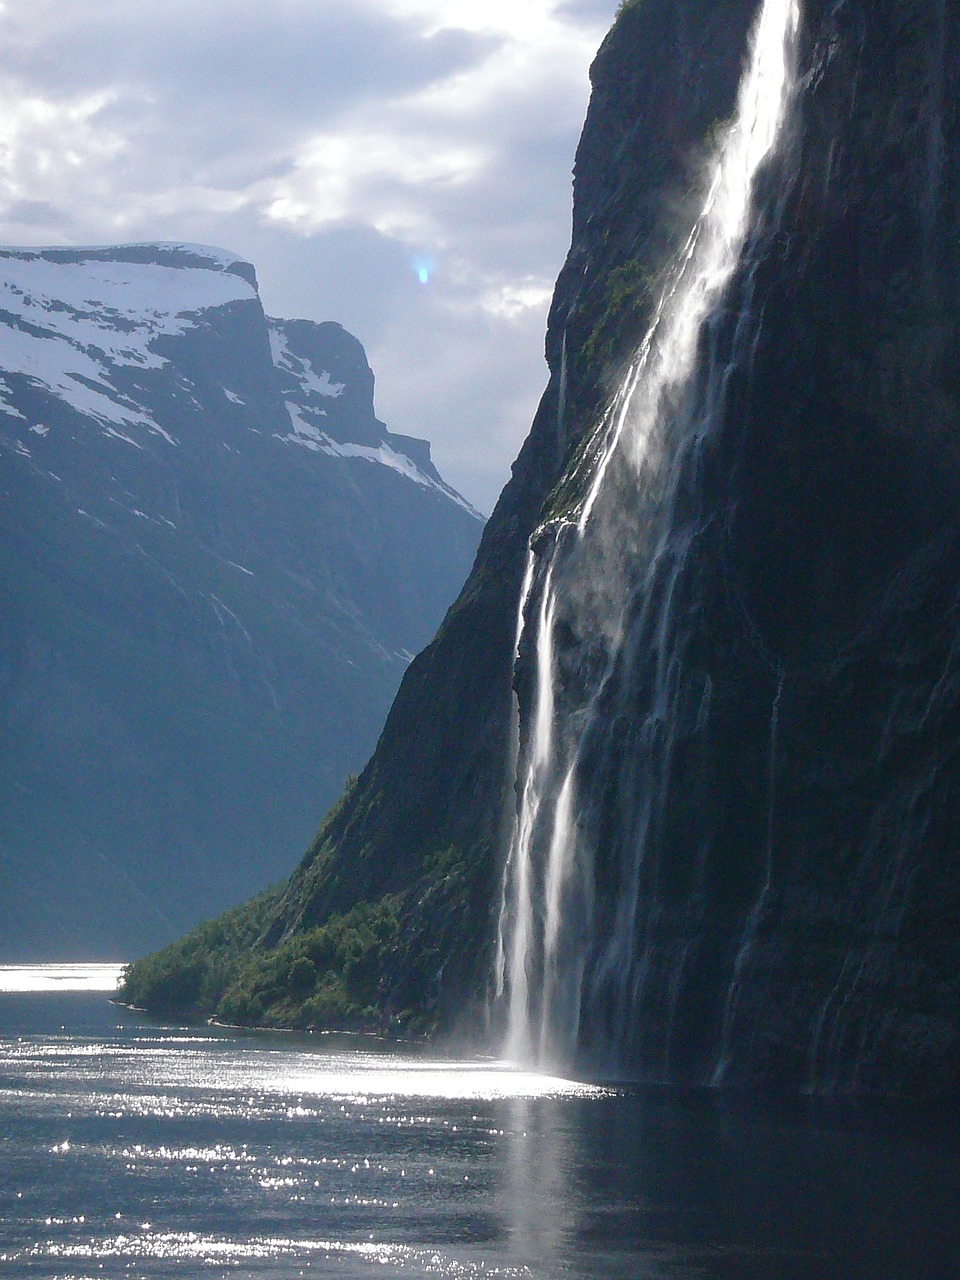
x: 215, y: 564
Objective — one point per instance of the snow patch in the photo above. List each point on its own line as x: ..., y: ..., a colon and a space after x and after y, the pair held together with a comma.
x: 314, y: 382
x: 311, y: 437
x: 88, y: 516
x: 304, y: 431
x: 69, y: 325
x: 6, y: 391
x: 157, y: 430
x: 241, y: 567
x: 113, y: 434
x: 224, y: 611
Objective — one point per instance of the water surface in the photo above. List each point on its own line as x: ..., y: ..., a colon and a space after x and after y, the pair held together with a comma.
x: 59, y: 977
x: 132, y: 1149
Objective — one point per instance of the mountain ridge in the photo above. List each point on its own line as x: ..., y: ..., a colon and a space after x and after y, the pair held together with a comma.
x: 248, y: 523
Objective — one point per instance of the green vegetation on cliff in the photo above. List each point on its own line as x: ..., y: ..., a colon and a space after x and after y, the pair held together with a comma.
x: 377, y: 966
x: 188, y: 977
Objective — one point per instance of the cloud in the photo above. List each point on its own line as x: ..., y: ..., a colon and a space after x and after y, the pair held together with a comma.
x: 283, y: 59
x: 343, y: 147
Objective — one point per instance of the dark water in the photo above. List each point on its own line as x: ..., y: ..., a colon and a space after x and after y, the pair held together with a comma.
x: 128, y: 1149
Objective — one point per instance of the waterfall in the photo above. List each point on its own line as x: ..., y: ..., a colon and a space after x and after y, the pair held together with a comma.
x: 582, y: 581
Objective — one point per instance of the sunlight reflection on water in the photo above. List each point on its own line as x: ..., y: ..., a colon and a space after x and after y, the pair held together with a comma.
x: 194, y: 1148
x: 60, y: 977
x: 359, y: 1076
x: 130, y: 1149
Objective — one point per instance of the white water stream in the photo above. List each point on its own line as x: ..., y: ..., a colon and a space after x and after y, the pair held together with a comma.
x: 547, y: 913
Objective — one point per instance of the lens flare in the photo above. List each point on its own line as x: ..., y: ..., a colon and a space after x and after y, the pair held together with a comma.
x: 424, y: 269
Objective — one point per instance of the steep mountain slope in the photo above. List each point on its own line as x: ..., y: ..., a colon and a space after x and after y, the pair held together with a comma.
x: 767, y: 782
x: 215, y: 565
x: 750, y: 649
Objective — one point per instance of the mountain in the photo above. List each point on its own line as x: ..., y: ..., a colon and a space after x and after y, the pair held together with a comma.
x: 215, y: 566
x: 718, y: 845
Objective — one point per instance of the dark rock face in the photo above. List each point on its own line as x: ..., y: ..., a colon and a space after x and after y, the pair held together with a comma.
x: 216, y: 564
x: 844, y: 549
x: 772, y: 769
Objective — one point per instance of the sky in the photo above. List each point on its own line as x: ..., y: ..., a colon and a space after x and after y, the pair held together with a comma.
x: 400, y: 166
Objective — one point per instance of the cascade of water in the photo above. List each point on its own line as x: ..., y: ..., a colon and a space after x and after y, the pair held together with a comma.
x: 545, y: 938
x: 518, y: 885
x: 500, y: 959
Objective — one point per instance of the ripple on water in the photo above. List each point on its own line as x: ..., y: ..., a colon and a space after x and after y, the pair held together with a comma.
x: 208, y: 1250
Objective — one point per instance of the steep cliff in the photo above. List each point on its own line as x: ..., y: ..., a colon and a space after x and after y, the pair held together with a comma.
x: 750, y: 647
x: 755, y: 711
x: 215, y: 565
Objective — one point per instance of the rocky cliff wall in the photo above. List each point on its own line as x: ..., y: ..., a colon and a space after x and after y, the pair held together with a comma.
x: 768, y: 775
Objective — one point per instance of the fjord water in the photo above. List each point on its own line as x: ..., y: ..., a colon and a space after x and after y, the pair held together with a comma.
x: 133, y: 1149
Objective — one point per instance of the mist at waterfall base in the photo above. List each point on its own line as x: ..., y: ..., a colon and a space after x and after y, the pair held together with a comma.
x: 131, y: 1148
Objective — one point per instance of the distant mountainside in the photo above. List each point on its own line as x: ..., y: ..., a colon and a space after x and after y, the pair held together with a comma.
x: 215, y: 566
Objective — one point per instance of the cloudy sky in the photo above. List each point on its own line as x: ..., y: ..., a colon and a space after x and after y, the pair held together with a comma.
x: 402, y: 166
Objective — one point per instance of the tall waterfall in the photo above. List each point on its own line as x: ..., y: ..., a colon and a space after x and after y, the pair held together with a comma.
x: 557, y: 955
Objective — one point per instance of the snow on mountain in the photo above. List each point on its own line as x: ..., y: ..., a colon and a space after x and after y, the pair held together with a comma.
x: 70, y: 319
x: 313, y: 382
x: 215, y: 563
x: 78, y: 321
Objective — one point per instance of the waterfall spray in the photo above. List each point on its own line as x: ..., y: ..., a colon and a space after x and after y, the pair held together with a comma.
x: 546, y: 944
